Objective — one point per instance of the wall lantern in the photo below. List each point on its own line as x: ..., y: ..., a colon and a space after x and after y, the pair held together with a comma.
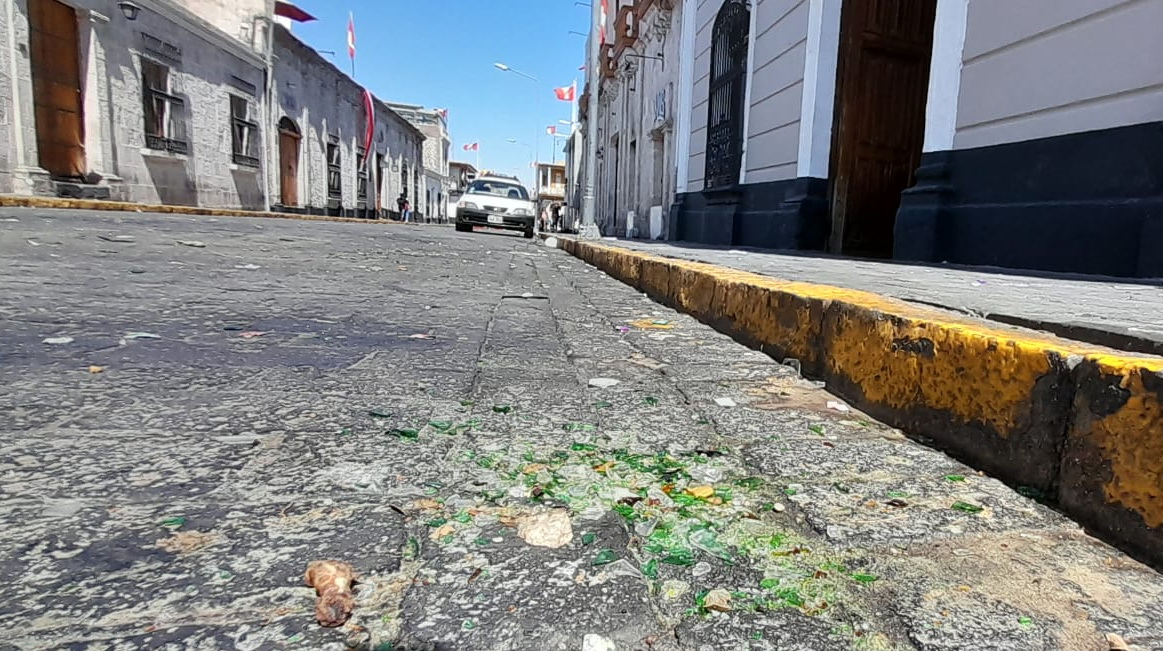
x: 129, y: 9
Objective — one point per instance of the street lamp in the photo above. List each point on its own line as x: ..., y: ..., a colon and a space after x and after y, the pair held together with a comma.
x: 129, y: 10
x: 506, y: 68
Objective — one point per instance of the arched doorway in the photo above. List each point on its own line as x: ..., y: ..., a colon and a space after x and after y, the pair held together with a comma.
x: 289, y: 139
x: 882, y: 83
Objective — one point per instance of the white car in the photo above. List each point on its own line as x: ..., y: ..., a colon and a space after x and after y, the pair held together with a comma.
x: 496, y: 202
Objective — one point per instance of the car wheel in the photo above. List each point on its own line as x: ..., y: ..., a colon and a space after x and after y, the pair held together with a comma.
x: 528, y: 233
x: 463, y: 228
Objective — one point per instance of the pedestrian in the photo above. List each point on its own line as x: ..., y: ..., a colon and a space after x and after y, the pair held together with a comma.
x: 401, y: 204
x: 407, y: 211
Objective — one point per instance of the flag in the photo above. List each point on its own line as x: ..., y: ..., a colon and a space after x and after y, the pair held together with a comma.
x: 581, y: 67
x: 551, y: 130
x: 472, y: 146
x: 566, y: 93
x: 370, y: 107
x: 602, y: 27
x: 443, y: 113
x: 351, y: 35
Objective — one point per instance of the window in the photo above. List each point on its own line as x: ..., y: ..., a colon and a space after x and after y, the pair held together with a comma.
x: 728, y: 83
x: 361, y: 174
x: 498, y: 189
x: 165, y: 128
x: 244, y: 133
x: 334, y: 171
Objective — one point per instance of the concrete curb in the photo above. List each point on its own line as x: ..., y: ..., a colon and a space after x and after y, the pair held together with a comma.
x: 14, y: 201
x: 1080, y: 424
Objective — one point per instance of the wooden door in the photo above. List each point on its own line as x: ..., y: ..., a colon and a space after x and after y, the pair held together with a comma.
x: 289, y: 167
x: 56, y: 88
x: 881, y: 92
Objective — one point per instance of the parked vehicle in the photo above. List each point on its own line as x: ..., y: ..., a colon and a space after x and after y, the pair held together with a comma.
x: 496, y: 201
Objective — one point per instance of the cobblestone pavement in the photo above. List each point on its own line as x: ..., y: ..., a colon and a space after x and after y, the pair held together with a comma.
x: 1099, y: 310
x: 194, y: 409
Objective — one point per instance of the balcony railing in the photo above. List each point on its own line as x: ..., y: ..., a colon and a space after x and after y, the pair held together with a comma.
x: 164, y: 122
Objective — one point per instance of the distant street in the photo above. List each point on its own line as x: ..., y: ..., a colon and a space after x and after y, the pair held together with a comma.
x: 511, y: 450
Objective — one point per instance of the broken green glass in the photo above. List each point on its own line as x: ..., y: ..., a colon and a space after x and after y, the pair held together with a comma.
x: 602, y: 404
x: 750, y: 483
x: 588, y: 538
x: 440, y: 425
x: 864, y: 578
x: 502, y: 409
x: 437, y: 522
x: 605, y: 557
x: 173, y: 523
x: 966, y: 507
x: 583, y: 447
x: 404, y: 433
x: 650, y: 569
x: 955, y: 478
x: 578, y: 427
x: 650, y: 401
x: 411, y: 549
x: 379, y: 413
x: 704, y: 539
x: 817, y: 429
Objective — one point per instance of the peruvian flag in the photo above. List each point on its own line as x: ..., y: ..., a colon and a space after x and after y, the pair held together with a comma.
x: 551, y: 130
x: 566, y: 93
x: 472, y: 146
x: 351, y: 35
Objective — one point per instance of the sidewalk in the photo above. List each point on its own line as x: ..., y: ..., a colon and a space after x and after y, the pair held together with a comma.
x: 1076, y: 423
x: 1107, y: 312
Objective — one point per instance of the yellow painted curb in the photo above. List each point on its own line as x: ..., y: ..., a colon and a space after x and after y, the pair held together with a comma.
x: 1078, y: 422
x: 14, y: 201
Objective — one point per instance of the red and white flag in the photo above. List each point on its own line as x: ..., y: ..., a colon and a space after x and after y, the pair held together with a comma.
x: 351, y: 35
x: 602, y: 27
x: 472, y: 146
x: 443, y: 113
x: 369, y: 106
x: 551, y: 130
x: 566, y: 93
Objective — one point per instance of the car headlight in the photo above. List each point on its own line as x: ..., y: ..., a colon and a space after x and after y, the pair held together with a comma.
x: 522, y: 212
x: 467, y: 205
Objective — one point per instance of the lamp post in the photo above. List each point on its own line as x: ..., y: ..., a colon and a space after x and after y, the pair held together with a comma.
x: 589, y: 229
x: 506, y: 68
x: 129, y: 9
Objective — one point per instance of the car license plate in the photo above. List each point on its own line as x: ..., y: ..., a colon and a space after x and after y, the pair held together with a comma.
x: 496, y: 219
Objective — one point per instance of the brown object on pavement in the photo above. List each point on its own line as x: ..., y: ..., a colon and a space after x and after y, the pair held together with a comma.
x: 332, y: 582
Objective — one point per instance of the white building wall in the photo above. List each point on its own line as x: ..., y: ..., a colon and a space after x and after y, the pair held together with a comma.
x: 205, y: 69
x: 7, y: 142
x: 327, y: 106
x: 779, y: 47
x: 1096, y: 62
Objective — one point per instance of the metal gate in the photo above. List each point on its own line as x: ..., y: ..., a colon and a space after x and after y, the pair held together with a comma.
x: 727, y: 93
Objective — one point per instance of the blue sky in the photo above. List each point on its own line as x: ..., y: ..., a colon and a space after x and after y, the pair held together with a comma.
x: 440, y: 53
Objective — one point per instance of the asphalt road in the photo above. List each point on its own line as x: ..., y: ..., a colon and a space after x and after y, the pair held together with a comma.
x: 194, y: 409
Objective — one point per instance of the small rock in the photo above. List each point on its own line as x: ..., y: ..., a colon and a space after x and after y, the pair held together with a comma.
x: 700, y: 569
x: 725, y: 402
x: 58, y: 341
x: 603, y: 382
x: 778, y: 508
x: 595, y: 642
x: 551, y: 242
x: 718, y: 599
x: 1116, y: 642
x: 838, y: 406
x: 194, y: 244
x: 551, y: 529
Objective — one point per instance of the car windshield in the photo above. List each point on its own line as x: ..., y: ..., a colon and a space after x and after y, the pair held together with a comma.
x: 498, y: 189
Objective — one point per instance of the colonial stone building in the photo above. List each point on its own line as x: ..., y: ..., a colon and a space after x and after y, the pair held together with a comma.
x: 636, y: 143
x: 321, y: 121
x: 431, y: 202
x: 153, y: 105
x: 1019, y: 134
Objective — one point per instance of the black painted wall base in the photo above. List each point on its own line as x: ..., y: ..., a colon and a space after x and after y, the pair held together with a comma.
x: 1085, y: 202
x: 789, y: 214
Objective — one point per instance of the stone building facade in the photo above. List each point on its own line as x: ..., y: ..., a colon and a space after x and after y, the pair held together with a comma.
x: 320, y: 124
x: 1024, y: 135
x: 636, y: 142
x: 431, y: 203
x: 99, y: 105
